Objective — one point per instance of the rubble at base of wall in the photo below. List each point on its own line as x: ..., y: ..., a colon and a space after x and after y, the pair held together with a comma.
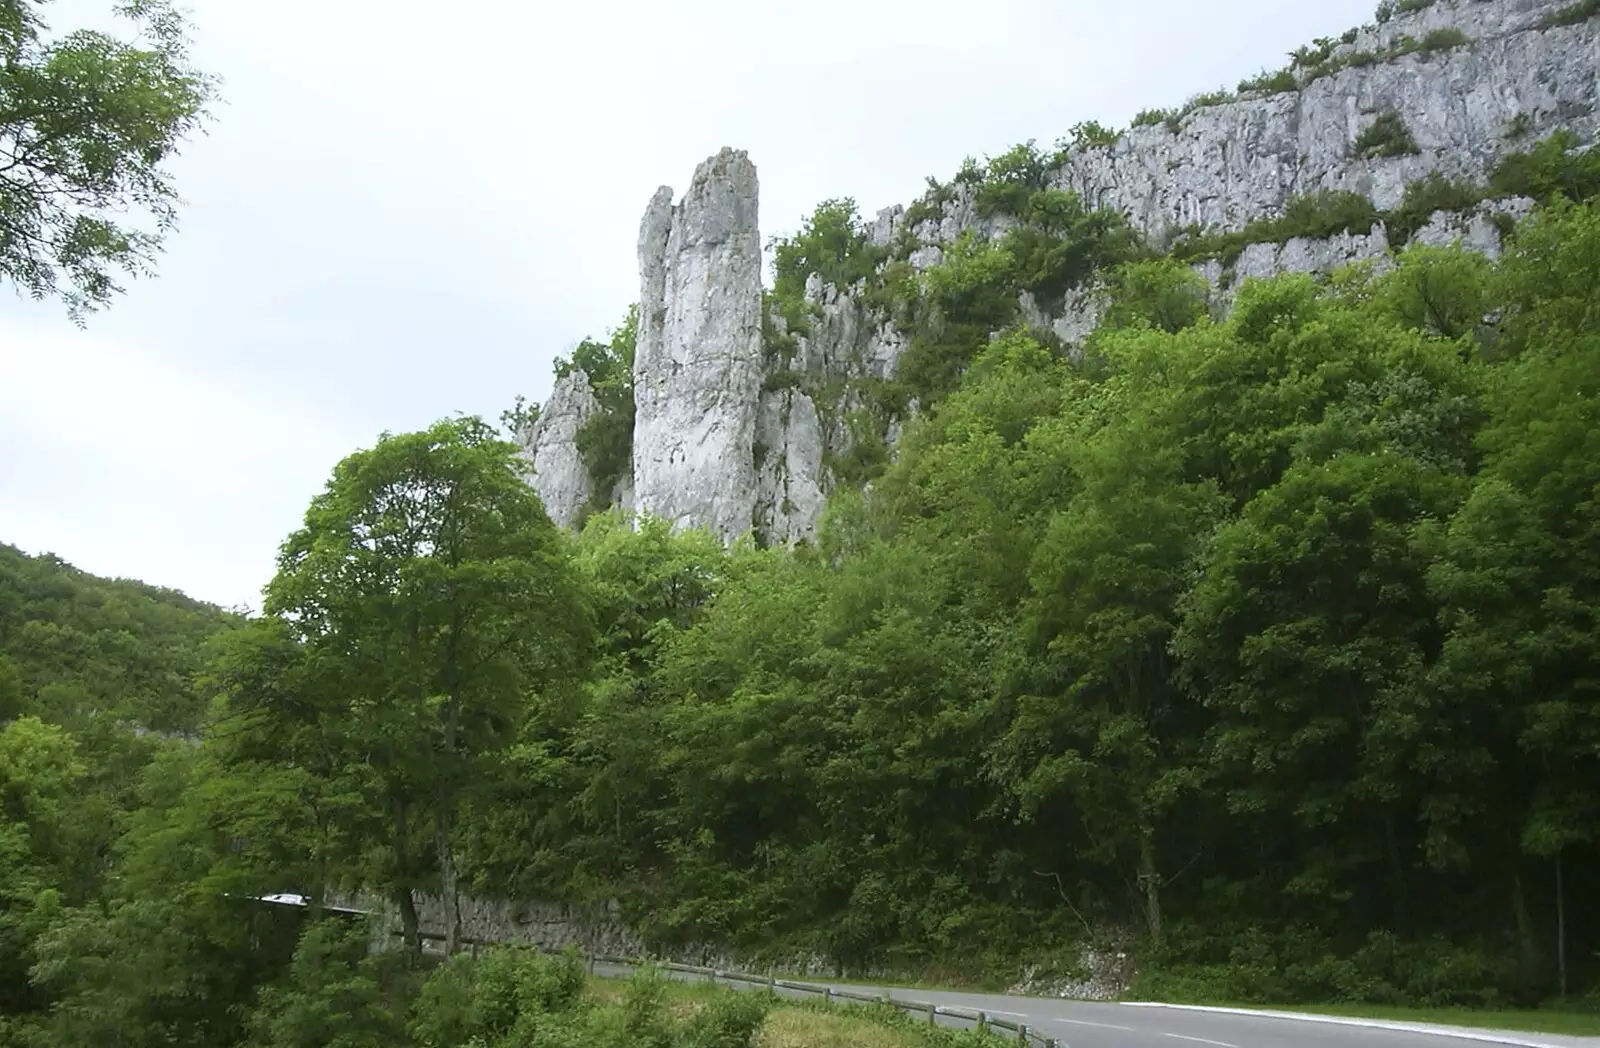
x: 1103, y: 971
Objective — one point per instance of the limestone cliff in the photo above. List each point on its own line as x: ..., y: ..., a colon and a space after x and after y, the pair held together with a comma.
x: 697, y: 368
x: 550, y: 447
x: 1464, y: 83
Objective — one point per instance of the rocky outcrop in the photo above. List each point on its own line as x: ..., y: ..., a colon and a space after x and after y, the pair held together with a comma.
x: 698, y: 366
x: 788, y: 453
x: 550, y: 447
x: 712, y: 448
x: 1230, y: 164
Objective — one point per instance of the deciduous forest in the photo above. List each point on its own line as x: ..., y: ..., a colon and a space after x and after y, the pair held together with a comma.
x: 1256, y: 640
x: 1268, y: 643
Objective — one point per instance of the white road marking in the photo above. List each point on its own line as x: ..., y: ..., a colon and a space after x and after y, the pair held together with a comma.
x: 1202, y: 1040
x: 1431, y: 1029
x: 1103, y: 1026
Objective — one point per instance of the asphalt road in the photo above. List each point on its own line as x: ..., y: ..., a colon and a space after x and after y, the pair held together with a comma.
x: 1081, y: 1024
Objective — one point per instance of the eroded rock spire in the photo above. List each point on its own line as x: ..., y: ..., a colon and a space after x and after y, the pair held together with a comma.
x: 698, y: 366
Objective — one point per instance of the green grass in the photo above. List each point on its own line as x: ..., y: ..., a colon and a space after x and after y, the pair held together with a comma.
x: 806, y: 1023
x: 1543, y: 1020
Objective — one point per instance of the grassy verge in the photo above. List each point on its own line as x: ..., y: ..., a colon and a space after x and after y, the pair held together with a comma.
x: 809, y: 1028
x: 811, y: 1024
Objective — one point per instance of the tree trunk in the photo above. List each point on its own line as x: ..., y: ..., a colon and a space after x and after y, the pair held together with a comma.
x: 410, y: 926
x: 1150, y: 882
x: 448, y: 883
x: 1561, y: 928
x: 1397, y: 876
x: 1527, y: 939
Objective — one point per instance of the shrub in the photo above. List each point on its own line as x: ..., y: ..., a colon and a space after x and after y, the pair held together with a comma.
x: 1443, y: 40
x: 1521, y: 125
x: 1408, y: 7
x: 784, y: 378
x: 1094, y: 135
x: 920, y: 211
x: 1385, y: 11
x: 1325, y: 214
x: 489, y: 996
x: 1572, y: 14
x: 1314, y: 216
x: 1554, y: 167
x: 1164, y: 294
x: 1152, y: 117
x: 1063, y: 243
x: 832, y: 243
x: 1424, y: 197
x: 1307, y: 57
x: 1387, y: 136
x: 1444, y: 290
x: 1209, y: 98
x: 1349, y: 36
x: 1011, y: 179
x: 895, y: 290
x: 1278, y: 83
x: 605, y: 443
x: 729, y: 1021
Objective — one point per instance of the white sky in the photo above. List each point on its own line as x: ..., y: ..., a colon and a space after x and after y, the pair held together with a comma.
x: 405, y: 210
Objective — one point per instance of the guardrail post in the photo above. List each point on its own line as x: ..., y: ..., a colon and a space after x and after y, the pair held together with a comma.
x: 933, y: 1015
x: 1022, y: 1032
x: 983, y: 1021
x: 827, y: 994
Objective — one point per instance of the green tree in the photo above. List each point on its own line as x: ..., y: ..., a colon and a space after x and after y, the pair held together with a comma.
x: 172, y: 949
x: 1104, y: 729
x: 87, y: 122
x: 1519, y: 579
x: 606, y: 441
x: 1443, y: 291
x: 832, y: 243
x: 435, y: 601
x: 334, y: 997
x: 1165, y: 294
x: 1304, y: 634
x: 43, y: 853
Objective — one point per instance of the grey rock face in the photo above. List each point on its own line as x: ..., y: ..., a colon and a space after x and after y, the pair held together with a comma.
x: 1235, y: 162
x: 550, y: 447
x: 712, y: 449
x: 789, y: 495
x: 697, y: 368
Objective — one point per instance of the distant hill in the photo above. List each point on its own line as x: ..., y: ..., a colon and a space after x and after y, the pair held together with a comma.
x: 74, y: 645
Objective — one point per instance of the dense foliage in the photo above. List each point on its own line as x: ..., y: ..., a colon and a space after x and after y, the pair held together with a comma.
x: 87, y: 121
x: 1266, y: 645
x: 74, y: 647
x: 1257, y: 632
x: 1271, y: 638
x: 605, y: 442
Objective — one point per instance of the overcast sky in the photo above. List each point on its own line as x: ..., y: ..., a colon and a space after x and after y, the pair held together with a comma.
x: 404, y: 210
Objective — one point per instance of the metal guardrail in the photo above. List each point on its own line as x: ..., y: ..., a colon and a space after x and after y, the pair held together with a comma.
x: 830, y: 994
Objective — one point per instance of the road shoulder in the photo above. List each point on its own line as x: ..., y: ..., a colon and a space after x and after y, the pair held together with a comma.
x: 1520, y: 1038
